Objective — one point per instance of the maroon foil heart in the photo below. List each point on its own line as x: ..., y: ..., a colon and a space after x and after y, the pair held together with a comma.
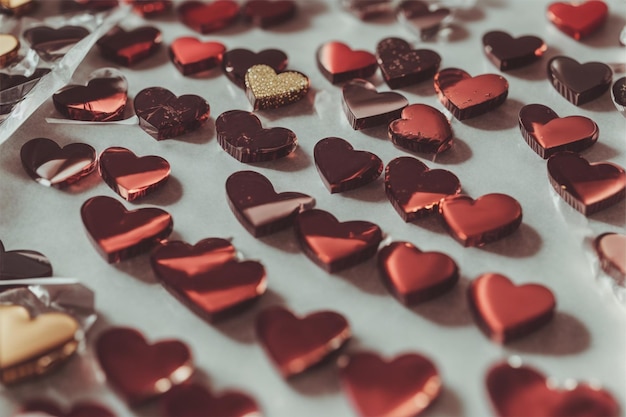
x: 22, y: 264
x: 421, y: 128
x: 295, y: 344
x: 414, y: 190
x: 191, y: 56
x: 53, y: 166
x: 332, y: 245
x: 579, y: 83
x: 236, y: 62
x: 150, y: 8
x: 546, y: 133
x: 268, y: 13
x: 194, y: 400
x: 587, y: 187
x: 44, y: 408
x: 365, y: 107
x: 507, y: 53
x: 413, y: 276
x: 130, y: 176
x: 402, y: 66
x: 129, y: 48
x: 504, y: 311
x: 138, y: 370
x: 103, y: 99
x: 338, y: 62
x: 241, y: 134
x: 522, y: 390
x: 424, y: 20
x: 210, y: 16
x: 52, y: 43
x: 578, y: 20
x: 342, y: 168
x: 118, y: 234
x: 611, y: 250
x: 402, y: 387
x: 163, y: 115
x: 466, y: 96
x: 258, y: 207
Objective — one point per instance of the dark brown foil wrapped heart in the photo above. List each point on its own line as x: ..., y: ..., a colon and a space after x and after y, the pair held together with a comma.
x: 53, y: 43
x: 402, y: 66
x: 22, y: 263
x: 129, y: 47
x: 268, y: 13
x: 579, y: 83
x: 507, y: 53
x: 236, y: 62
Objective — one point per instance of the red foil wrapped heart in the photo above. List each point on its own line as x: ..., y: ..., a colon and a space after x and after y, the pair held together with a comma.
x: 579, y: 83
x: 522, y: 390
x: 578, y: 20
x: 118, y: 234
x: 52, y: 43
x: 365, y: 107
x: 547, y: 133
x: 53, y: 166
x: 413, y: 276
x: 611, y: 249
x: 210, y: 16
x: 130, y: 47
x: 194, y: 400
x: 49, y: 408
x: 22, y: 263
x: 414, y: 190
x: 295, y: 344
x: 466, y: 96
x: 268, y: 13
x: 142, y: 371
x: 587, y: 187
x: 342, y: 168
x: 332, y: 245
x: 257, y: 206
x: 402, y: 387
x: 504, y: 311
x: 507, y: 53
x: 402, y: 66
x: 339, y: 63
x: 191, y: 56
x: 236, y: 62
x: 421, y: 128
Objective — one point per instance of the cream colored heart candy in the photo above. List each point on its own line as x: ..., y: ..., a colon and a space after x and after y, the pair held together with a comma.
x: 9, y: 46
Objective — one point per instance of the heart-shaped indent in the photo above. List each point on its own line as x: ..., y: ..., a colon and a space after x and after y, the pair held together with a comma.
x: 141, y: 371
x: 130, y: 47
x: 53, y: 166
x: 9, y: 47
x: 130, y: 176
x: 579, y: 83
x: 421, y: 128
x: 342, y: 168
x: 586, y: 187
x: 507, y: 52
x: 46, y: 408
x: 267, y: 90
x: 547, y: 133
x: 505, y: 311
x: 365, y: 107
x: 339, y: 63
x: 191, y: 56
x: 210, y: 16
x: 578, y: 20
x: 52, y: 43
x: 332, y: 245
x: 236, y: 62
x: 466, y: 96
x: 22, y: 263
x: 402, y: 387
x: 268, y: 13
x: 241, y: 134
x: 414, y: 190
x: 481, y: 221
x: 611, y: 249
x: 402, y: 66
x: 295, y: 344
x: 31, y: 346
x: 118, y: 234
x: 258, y: 207
x: 194, y: 400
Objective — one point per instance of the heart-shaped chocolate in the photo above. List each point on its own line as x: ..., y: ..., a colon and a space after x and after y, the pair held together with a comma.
x: 507, y: 53
x: 481, y: 221
x: 103, y: 99
x: 339, y: 63
x: 402, y: 387
x: 163, y: 115
x: 611, y: 249
x: 194, y: 400
x: 118, y: 234
x: 295, y: 344
x: 207, y: 17
x: 365, y: 107
x: 53, y: 166
x: 402, y: 66
x: 618, y: 93
x: 191, y: 56
x: 368, y: 9
x: 130, y: 47
x: 505, y: 311
x: 414, y: 190
x: 22, y: 263
x: 413, y: 276
x: 421, y: 18
x: 142, y: 371
x: 241, y: 134
x: 586, y: 187
x: 547, y: 133
x: 466, y: 96
x: 268, y: 13
x: 332, y: 245
x: 578, y: 20
x: 53, y: 43
x: 524, y: 391
x: 258, y: 207
x: 421, y: 128
x: 267, y: 90
x: 45, y: 408
x: 579, y: 83
x: 32, y: 346
x: 130, y: 176
x: 149, y: 8
x: 236, y: 62
x: 9, y: 47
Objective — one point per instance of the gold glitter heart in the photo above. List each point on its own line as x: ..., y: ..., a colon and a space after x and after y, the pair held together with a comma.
x: 267, y: 90
x: 9, y: 45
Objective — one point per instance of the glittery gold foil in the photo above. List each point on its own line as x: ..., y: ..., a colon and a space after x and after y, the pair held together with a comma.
x: 267, y: 90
